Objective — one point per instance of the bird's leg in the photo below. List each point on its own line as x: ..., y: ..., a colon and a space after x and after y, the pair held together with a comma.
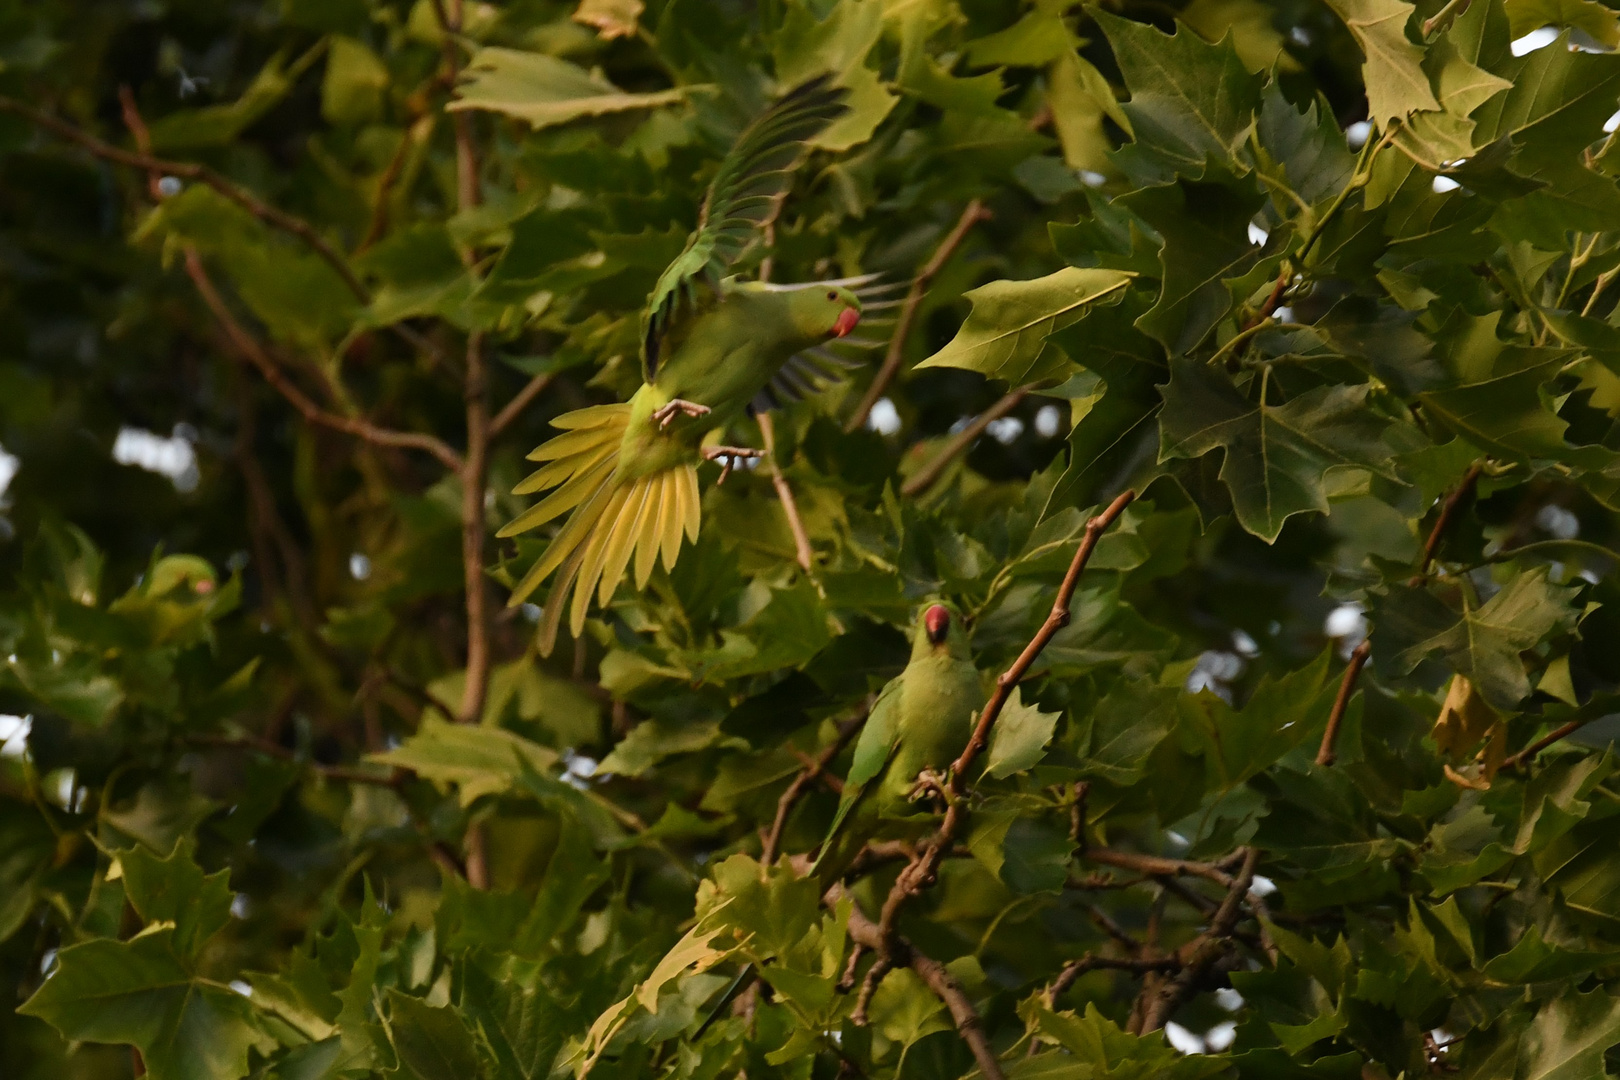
x: 930, y: 783
x: 666, y: 413
x: 728, y: 456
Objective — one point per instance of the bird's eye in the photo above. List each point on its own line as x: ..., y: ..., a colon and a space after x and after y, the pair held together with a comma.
x: 832, y: 294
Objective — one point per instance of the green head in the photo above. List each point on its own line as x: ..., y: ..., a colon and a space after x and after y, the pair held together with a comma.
x: 824, y: 311
x: 941, y: 631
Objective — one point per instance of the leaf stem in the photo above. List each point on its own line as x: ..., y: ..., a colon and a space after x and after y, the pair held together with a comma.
x: 255, y: 353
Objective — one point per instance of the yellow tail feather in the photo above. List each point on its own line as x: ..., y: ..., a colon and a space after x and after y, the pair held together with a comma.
x: 614, y: 522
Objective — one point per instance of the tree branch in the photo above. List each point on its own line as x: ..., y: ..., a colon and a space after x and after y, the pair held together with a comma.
x: 1329, y: 753
x: 474, y: 479
x: 864, y: 932
x: 1464, y: 490
x: 1076, y: 968
x: 514, y: 408
x: 924, y: 478
x: 801, y: 539
x: 201, y: 174
x: 1056, y: 620
x: 972, y: 215
x: 1513, y: 761
x: 1202, y: 955
x: 255, y: 353
x: 1158, y: 865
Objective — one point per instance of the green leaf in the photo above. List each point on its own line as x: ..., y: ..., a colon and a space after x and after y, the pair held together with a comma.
x: 811, y: 42
x: 544, y: 90
x: 1123, y: 729
x: 139, y: 992
x: 1038, y: 38
x: 1020, y: 738
x: 356, y: 82
x: 219, y: 125
x: 1239, y: 743
x: 770, y: 907
x: 1204, y: 228
x: 1568, y: 1038
x: 1392, y: 69
x: 478, y: 760
x: 1277, y: 456
x: 174, y: 889
x: 1305, y: 146
x: 1505, y: 415
x: 904, y: 1009
x: 1190, y: 100
x: 1482, y: 643
x: 1462, y: 86
x: 1600, y: 23
x: 1080, y: 98
x: 522, y: 1024
x: 432, y: 1043
x: 1005, y: 333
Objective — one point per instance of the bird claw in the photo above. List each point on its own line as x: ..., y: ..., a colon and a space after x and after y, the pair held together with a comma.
x: 929, y: 782
x: 664, y: 414
x: 728, y: 456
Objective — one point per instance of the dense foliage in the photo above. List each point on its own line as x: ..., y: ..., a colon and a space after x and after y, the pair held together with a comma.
x: 1314, y: 780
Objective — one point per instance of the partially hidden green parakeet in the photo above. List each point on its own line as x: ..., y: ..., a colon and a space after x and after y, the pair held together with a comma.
x: 712, y: 347
x: 921, y: 720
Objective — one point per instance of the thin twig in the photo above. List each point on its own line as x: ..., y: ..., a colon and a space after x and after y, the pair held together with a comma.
x: 474, y: 479
x: 972, y: 215
x: 390, y: 176
x: 802, y: 783
x: 1513, y: 761
x: 790, y: 506
x: 1076, y: 968
x: 1056, y: 620
x: 1270, y: 305
x: 874, y: 975
x: 1329, y: 753
x: 256, y: 354
x: 1158, y: 865
x: 1202, y: 955
x: 346, y: 773
x: 514, y: 408
x: 1464, y: 490
x: 1105, y: 922
x: 201, y: 174
x: 864, y: 932
x: 924, y: 478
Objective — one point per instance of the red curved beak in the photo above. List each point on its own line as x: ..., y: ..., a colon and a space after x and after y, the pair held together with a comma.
x: 937, y: 621
x: 846, y: 321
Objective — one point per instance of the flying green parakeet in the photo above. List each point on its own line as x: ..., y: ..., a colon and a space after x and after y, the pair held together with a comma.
x: 921, y: 720
x: 712, y: 347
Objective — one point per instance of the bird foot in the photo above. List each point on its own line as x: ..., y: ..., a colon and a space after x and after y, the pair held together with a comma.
x: 664, y: 414
x: 930, y: 783
x: 728, y: 456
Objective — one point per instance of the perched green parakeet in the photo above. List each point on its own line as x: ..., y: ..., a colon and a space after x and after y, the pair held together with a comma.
x: 712, y: 347
x: 921, y: 720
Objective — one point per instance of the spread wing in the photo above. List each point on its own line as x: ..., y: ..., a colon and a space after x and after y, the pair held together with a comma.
x: 743, y: 198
